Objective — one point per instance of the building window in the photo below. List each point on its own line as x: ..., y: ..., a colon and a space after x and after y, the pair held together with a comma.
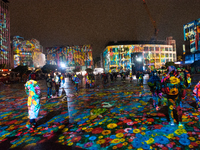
x: 170, y: 49
x: 173, y: 56
x: 162, y: 49
x: 166, y: 55
x: 170, y: 55
x: 157, y: 55
x: 151, y: 49
x: 166, y: 48
x: 145, y: 48
x: 157, y: 49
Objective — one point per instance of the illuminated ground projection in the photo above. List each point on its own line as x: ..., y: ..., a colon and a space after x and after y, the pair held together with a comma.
x: 111, y: 118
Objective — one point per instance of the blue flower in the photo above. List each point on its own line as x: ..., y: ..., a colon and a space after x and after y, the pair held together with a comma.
x: 87, y: 135
x: 112, y: 136
x: 130, y: 131
x: 92, y: 138
x: 184, y: 136
x: 184, y: 141
x: 167, y: 130
x: 136, y: 143
x: 144, y: 138
x: 138, y: 135
x: 161, y: 139
x: 145, y: 146
x: 94, y: 148
x: 148, y: 132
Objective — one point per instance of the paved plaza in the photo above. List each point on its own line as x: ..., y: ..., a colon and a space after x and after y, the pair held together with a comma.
x: 110, y: 117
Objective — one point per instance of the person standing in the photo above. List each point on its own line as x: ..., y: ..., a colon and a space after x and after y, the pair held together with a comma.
x: 174, y: 88
x: 49, y: 86
x: 137, y: 76
x: 34, y: 94
x: 196, y: 93
x: 76, y: 81
x: 57, y: 86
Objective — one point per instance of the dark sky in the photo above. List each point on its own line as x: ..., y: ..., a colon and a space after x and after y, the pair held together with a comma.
x: 96, y: 22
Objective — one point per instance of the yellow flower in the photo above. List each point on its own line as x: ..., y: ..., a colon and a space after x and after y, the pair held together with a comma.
x: 131, y: 115
x: 191, y: 146
x: 150, y: 141
x: 84, y: 128
x: 125, y: 143
x: 102, y: 141
x: 140, y: 149
x: 174, y: 80
x: 143, y: 128
x: 170, y: 136
x: 89, y: 129
x: 136, y: 131
x: 122, y: 140
x: 129, y: 147
x: 114, y: 147
x: 119, y: 135
x: 100, y: 137
x: 143, y: 133
x: 100, y: 123
x: 192, y: 138
x: 171, y: 107
x: 112, y: 125
x: 106, y: 132
x: 198, y: 142
x: 115, y: 141
x: 70, y: 144
x: 136, y: 119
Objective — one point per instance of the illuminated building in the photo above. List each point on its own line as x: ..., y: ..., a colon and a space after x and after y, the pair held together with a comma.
x: 71, y: 56
x: 5, y: 50
x: 191, y: 33
x: 27, y: 52
x: 138, y: 55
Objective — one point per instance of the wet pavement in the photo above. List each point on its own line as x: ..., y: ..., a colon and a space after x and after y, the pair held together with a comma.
x: 110, y: 117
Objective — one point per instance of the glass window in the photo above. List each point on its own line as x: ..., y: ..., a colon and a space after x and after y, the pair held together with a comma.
x: 166, y: 55
x: 145, y: 48
x: 151, y: 48
x: 145, y: 55
x: 167, y: 60
x: 170, y: 55
x: 157, y: 49
x: 170, y: 49
x: 166, y: 48
x: 157, y: 55
x: 162, y: 49
x: 174, y: 56
x: 157, y: 60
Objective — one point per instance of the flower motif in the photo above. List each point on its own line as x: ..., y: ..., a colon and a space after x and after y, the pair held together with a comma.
x: 167, y: 130
x: 76, y: 139
x: 102, y: 141
x: 161, y: 139
x: 119, y: 135
x: 106, y: 132
x: 111, y: 125
x: 136, y: 143
x: 150, y: 141
x: 88, y: 144
x: 92, y: 138
x: 136, y: 131
x: 174, y: 80
x: 115, y: 141
x: 145, y: 146
x: 97, y: 130
x: 184, y: 141
x: 171, y: 107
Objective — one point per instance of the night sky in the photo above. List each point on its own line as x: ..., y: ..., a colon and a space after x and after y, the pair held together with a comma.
x: 96, y: 22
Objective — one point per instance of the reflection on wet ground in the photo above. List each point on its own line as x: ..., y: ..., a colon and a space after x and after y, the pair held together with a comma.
x: 110, y: 117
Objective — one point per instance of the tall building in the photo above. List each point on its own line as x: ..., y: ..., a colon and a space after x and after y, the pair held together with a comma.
x: 191, y: 33
x: 70, y: 56
x: 27, y: 52
x: 138, y: 55
x: 5, y: 49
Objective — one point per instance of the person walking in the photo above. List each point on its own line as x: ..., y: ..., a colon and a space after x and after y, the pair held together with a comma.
x: 49, y: 86
x: 174, y: 88
x: 34, y: 94
x: 76, y: 81
x: 57, y: 86
x: 137, y: 76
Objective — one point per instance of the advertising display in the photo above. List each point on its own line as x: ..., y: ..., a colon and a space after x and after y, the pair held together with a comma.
x: 189, y: 59
x: 191, y: 33
x: 71, y: 56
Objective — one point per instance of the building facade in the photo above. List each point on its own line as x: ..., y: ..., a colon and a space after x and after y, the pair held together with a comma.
x: 27, y: 52
x: 70, y: 56
x: 191, y: 33
x: 138, y: 55
x: 5, y: 50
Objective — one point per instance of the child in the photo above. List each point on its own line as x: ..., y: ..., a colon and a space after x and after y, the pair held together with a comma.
x: 33, y: 91
x: 196, y: 93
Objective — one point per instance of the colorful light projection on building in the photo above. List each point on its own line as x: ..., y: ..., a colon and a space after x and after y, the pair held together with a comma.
x: 24, y: 51
x: 70, y: 55
x: 153, y: 56
x: 4, y: 35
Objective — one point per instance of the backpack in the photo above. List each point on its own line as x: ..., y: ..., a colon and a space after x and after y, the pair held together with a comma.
x: 172, y: 86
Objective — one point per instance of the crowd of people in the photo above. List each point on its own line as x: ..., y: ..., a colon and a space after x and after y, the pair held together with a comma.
x: 172, y: 86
